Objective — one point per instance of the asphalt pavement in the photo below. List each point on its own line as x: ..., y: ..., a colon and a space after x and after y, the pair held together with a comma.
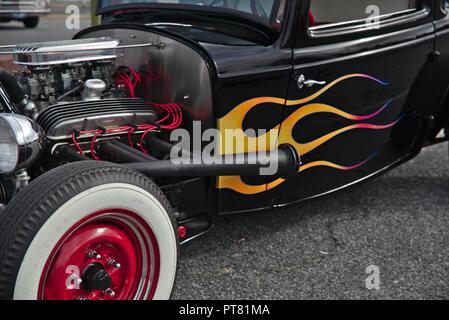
x: 319, y: 249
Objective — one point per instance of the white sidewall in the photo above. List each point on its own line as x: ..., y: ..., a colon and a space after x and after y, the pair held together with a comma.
x: 108, y: 196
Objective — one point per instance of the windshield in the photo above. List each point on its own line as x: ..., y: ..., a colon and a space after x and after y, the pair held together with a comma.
x: 266, y: 9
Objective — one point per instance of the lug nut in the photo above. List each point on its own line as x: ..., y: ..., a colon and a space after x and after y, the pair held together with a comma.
x: 114, y: 263
x: 110, y: 292
x: 94, y: 254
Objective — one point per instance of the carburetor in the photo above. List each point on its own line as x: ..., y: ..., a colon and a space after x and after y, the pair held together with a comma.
x: 56, y: 72
x: 48, y: 85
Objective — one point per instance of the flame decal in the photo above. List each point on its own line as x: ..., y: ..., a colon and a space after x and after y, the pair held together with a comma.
x: 305, y: 148
x: 335, y: 166
x: 235, y: 118
x: 236, y: 183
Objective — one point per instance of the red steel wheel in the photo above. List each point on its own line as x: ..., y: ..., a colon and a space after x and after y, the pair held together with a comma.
x: 95, y: 231
x: 110, y: 255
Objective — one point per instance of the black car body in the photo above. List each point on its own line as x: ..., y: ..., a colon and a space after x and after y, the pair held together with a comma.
x: 400, y: 67
x: 342, y: 93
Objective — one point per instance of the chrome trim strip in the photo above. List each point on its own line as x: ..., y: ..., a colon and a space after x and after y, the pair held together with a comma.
x: 362, y: 47
x: 364, y: 54
x: 254, y: 72
x: 359, y: 21
x: 334, y: 29
x: 149, y: 44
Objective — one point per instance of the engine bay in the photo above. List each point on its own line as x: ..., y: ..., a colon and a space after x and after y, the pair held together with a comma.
x: 77, y: 96
x: 77, y: 90
x: 112, y: 89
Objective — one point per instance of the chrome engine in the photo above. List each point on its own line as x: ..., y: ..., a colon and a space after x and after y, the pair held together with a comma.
x: 95, y: 99
x: 72, y: 85
x: 72, y: 93
x: 61, y: 120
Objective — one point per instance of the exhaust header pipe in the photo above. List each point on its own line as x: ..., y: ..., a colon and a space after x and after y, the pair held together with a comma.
x: 252, y: 164
x: 284, y: 159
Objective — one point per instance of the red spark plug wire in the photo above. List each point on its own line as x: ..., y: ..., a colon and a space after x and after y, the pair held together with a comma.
x: 75, y: 142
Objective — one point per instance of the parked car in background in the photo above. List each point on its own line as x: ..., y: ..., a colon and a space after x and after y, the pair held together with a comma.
x: 27, y: 11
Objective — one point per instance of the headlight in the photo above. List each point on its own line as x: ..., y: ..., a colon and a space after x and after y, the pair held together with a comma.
x: 21, y: 142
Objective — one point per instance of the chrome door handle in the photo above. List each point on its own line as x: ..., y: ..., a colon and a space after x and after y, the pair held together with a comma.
x: 311, y: 83
x: 302, y: 82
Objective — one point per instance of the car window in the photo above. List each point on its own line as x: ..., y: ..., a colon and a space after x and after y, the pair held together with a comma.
x: 264, y: 9
x: 348, y: 16
x: 331, y: 11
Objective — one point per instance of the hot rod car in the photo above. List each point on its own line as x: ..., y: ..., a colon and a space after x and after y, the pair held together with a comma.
x: 122, y: 143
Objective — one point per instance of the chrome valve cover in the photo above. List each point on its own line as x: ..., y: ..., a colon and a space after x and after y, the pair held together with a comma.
x: 60, y: 120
